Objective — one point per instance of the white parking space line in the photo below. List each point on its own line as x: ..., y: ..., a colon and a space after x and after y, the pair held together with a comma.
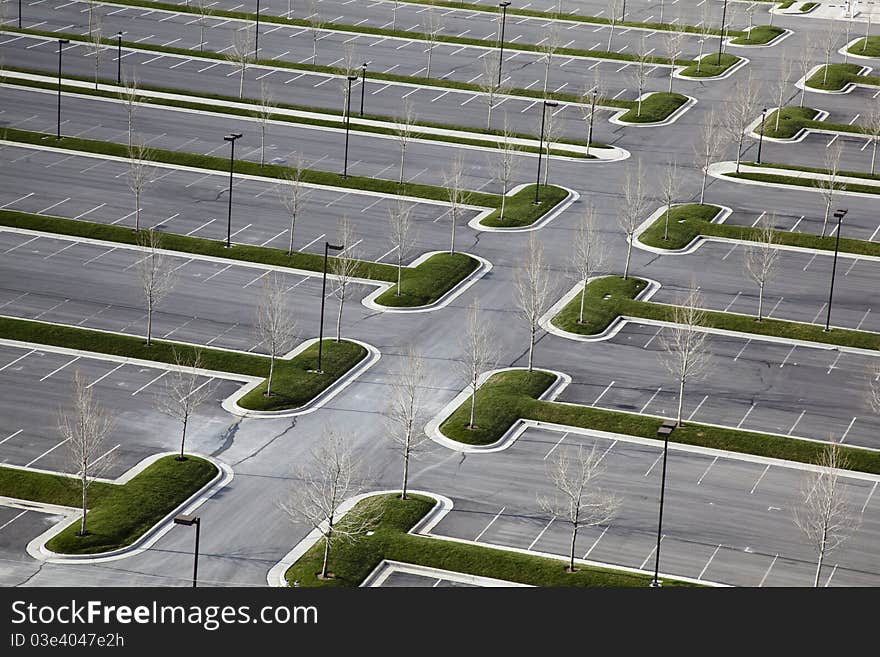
x: 868, y: 499
x: 751, y: 492
x: 833, y: 570
x: 769, y: 568
x: 694, y: 412
x: 552, y: 449
x: 651, y: 553
x: 596, y: 542
x: 748, y: 412
x: 104, y: 455
x: 700, y: 480
x: 60, y: 368
x: 48, y: 451
x: 11, y: 249
x: 648, y: 403
x: 796, y: 422
x: 706, y: 567
x: 148, y: 384
x: 538, y: 537
x: 17, y: 359
x: 104, y: 376
x: 491, y: 522
x: 13, y: 435
x: 846, y: 433
x: 21, y: 198
x: 9, y: 522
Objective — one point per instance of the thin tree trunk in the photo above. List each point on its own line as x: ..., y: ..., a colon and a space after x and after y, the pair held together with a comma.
x: 703, y: 185
x: 680, y: 400
x: 583, y: 295
x: 339, y: 319
x: 183, y: 437
x: 489, y: 115
x: 819, y: 567
x: 739, y: 148
x: 473, y: 405
x: 760, y: 301
x: 292, y: 226
x: 503, y: 201
x: 149, y: 322
x: 137, y: 209
x: 574, y: 533
x: 85, y: 493
x: 873, y: 156
x: 326, y: 551
x: 452, y: 242
x: 825, y: 221
x: 628, y: 254
x: 262, y: 143
x: 402, y: 158
x: 666, y: 225
x: 271, y: 372
x: 531, y: 347
x: 241, y: 83
x: 399, y: 272
x: 405, y: 470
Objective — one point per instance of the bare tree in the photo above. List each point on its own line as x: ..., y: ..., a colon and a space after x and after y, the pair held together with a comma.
x: 641, y: 73
x: 549, y: 48
x: 870, y: 17
x: 588, y: 253
x: 828, y: 45
x: 345, y: 266
x: 156, y: 275
x: 532, y: 282
x: 276, y: 327
x: 710, y: 143
x: 670, y: 189
x: 589, y: 105
x: 577, y: 499
x: 488, y: 84
x: 432, y: 28
x: 873, y: 130
x: 684, y: 350
x: 203, y: 12
x: 184, y: 393
x: 705, y: 31
x: 632, y: 209
x: 316, y: 24
x: 403, y: 129
x: 552, y: 130
x: 292, y: 193
x: 331, y: 478
x: 240, y: 53
x: 455, y: 190
x: 761, y: 257
x: 85, y: 430
x: 805, y: 62
x: 130, y: 97
x: 477, y: 344
x: 848, y: 28
x: 264, y: 116
x: 140, y: 174
x: 406, y: 410
x: 673, y: 49
x: 505, y: 166
x: 824, y: 515
x: 829, y: 186
x: 785, y: 66
x: 740, y: 112
x: 96, y: 44
x: 613, y: 8
x: 402, y: 237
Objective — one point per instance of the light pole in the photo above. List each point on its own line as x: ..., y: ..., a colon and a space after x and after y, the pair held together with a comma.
x: 761, y: 134
x: 19, y: 14
x: 363, y: 84
x: 504, y: 6
x: 351, y: 78
x: 119, y: 58
x: 327, y: 248
x: 721, y: 37
x: 544, y: 106
x: 839, y: 215
x: 257, y: 34
x: 231, y: 137
x: 61, y: 44
x: 655, y: 583
x: 189, y: 521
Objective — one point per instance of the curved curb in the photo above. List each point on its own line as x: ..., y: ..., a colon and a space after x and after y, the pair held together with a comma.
x: 720, y: 170
x: 669, y: 120
x: 275, y: 576
x: 388, y: 567
x: 37, y: 547
x: 743, y: 61
x: 562, y: 206
x: 846, y: 53
x: 772, y: 42
x: 483, y: 268
x: 432, y: 428
x: 720, y: 217
x: 800, y: 135
x: 845, y: 89
x: 230, y: 404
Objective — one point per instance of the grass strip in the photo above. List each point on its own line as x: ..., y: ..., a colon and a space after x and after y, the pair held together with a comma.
x: 758, y: 36
x: 521, y: 210
x: 296, y: 120
x: 869, y: 47
x: 808, y: 6
x: 351, y: 562
x: 692, y: 220
x: 295, y: 382
x: 118, y: 514
x: 512, y: 395
x: 781, y: 179
x: 612, y: 296
x: 656, y: 107
x: 835, y: 77
x: 710, y: 66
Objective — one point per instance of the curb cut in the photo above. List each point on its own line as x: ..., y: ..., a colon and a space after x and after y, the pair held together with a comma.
x: 572, y: 197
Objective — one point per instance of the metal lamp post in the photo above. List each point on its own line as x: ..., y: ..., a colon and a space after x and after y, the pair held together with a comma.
x: 351, y: 78
x: 19, y: 14
x: 231, y: 139
x: 257, y: 34
x: 119, y: 58
x: 544, y: 106
x: 655, y: 583
x: 761, y: 134
x: 721, y: 37
x: 327, y: 248
x: 61, y: 44
x: 839, y: 215
x: 504, y: 6
x: 189, y: 521
x: 363, y: 85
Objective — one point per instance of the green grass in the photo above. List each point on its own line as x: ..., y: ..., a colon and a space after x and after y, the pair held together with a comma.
x: 838, y: 76
x: 429, y: 281
x: 758, y: 35
x: 352, y: 562
x: 293, y: 384
x: 656, y: 107
x: 711, y: 65
x: 786, y: 4
x: 782, y: 179
x: 511, y: 395
x: 808, y: 6
x: 791, y: 121
x: 118, y: 514
x: 521, y: 210
x: 695, y: 220
x: 869, y: 47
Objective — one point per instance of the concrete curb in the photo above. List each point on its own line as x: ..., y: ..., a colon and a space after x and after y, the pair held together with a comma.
x: 669, y: 120
x: 720, y: 169
x: 37, y: 547
x: 847, y: 88
x: 844, y: 50
x: 723, y: 213
x: 774, y: 41
x: 743, y: 61
x: 387, y: 567
x: 476, y: 222
x: 801, y: 134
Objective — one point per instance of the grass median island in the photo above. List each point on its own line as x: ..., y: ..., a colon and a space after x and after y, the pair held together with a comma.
x: 758, y: 35
x: 791, y: 121
x: 710, y: 65
x: 838, y: 76
x: 352, y: 562
x: 657, y: 107
x: 692, y: 220
x: 428, y: 282
x: 118, y: 514
x: 869, y: 47
x: 508, y: 396
x: 520, y: 209
x: 802, y: 181
x: 293, y: 385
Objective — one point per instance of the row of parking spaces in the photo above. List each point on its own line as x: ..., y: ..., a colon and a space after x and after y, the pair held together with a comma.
x: 402, y: 579
x: 749, y: 384
x: 211, y: 303
x: 860, y: 223
x: 196, y: 204
x: 725, y: 519
x: 303, y: 88
x: 797, y: 291
x: 17, y: 527
x: 129, y: 393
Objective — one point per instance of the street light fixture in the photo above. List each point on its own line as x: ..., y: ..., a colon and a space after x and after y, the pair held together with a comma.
x: 327, y: 248
x: 721, y: 36
x: 189, y: 521
x: 363, y: 84
x: 119, y: 57
x: 231, y: 137
x: 61, y: 44
x: 655, y: 582
x: 761, y: 134
x: 544, y: 106
x: 839, y: 215
x: 351, y: 78
x: 257, y: 34
x: 19, y: 14
x: 504, y: 6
